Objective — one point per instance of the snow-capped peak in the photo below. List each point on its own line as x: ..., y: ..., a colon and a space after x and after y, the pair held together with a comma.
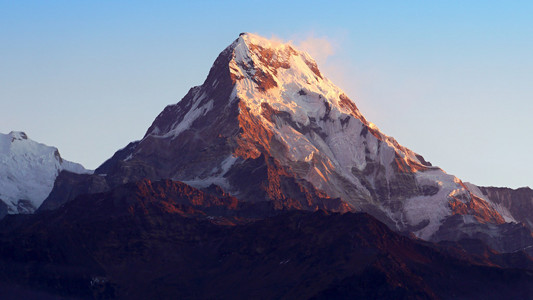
x: 266, y: 98
x: 272, y: 75
x: 276, y: 77
x: 288, y: 80
x: 28, y: 170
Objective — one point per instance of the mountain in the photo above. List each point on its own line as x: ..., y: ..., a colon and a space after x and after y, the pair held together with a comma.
x: 27, y: 172
x: 268, y: 126
x: 168, y: 240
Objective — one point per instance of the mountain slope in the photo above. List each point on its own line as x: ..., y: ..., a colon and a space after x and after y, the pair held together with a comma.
x: 27, y: 172
x: 266, y: 125
x: 168, y: 240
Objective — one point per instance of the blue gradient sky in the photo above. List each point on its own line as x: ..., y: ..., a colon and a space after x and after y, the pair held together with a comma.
x: 452, y: 80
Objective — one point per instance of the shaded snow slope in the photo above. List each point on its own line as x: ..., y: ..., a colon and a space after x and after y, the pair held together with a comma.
x: 28, y: 170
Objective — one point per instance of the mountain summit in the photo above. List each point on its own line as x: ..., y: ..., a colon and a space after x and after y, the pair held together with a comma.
x: 268, y: 126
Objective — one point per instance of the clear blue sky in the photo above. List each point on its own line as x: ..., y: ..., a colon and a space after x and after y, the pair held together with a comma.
x: 452, y: 80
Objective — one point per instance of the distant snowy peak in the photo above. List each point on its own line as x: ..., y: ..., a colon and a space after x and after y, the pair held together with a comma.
x: 28, y: 170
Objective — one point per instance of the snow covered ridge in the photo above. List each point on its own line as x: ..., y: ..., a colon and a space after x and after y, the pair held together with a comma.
x: 28, y: 170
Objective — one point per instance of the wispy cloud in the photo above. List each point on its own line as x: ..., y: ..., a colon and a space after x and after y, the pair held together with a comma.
x: 335, y: 63
x: 328, y: 53
x: 320, y: 48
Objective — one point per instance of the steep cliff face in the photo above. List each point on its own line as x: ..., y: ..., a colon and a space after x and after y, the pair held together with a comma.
x: 267, y: 125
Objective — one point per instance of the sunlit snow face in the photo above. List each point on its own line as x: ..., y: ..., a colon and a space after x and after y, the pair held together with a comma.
x: 294, y: 84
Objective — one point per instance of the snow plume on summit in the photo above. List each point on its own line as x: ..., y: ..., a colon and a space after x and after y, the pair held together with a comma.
x: 320, y: 48
x: 27, y: 171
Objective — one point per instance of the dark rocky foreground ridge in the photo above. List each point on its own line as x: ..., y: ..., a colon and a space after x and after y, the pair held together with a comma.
x: 167, y: 240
